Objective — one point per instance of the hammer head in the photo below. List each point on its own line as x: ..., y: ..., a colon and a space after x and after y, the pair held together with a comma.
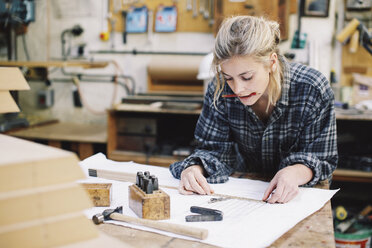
x: 105, y: 215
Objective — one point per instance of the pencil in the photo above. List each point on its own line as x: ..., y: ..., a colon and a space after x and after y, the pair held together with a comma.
x: 232, y: 95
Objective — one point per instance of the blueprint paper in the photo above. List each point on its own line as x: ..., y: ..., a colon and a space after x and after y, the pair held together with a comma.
x: 245, y: 223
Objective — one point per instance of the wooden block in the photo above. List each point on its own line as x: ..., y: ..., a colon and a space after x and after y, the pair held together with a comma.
x: 40, y: 203
x: 99, y: 193
x: 48, y: 232
x: 155, y: 206
x: 25, y: 164
x: 31, y: 204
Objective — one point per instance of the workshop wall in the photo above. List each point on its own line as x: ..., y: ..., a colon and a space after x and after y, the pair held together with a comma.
x: 53, y: 17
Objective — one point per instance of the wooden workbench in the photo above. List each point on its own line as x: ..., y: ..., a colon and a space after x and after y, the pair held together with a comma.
x: 314, y: 231
x: 82, y: 137
x: 70, y: 63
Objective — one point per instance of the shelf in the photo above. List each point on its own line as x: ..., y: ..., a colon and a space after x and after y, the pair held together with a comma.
x: 148, y: 108
x: 352, y: 114
x: 352, y: 176
x: 141, y: 158
x: 70, y: 63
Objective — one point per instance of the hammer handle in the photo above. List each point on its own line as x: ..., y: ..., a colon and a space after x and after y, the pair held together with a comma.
x: 199, y: 233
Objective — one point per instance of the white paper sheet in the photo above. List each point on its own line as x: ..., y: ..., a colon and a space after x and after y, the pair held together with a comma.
x: 245, y: 223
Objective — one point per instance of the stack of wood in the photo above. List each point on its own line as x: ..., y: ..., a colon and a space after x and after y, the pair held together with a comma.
x: 41, y: 205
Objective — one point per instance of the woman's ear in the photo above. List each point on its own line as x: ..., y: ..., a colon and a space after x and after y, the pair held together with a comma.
x: 274, y: 61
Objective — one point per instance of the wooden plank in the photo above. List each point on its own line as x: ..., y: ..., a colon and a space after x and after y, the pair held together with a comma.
x: 62, y: 131
x: 7, y: 103
x: 49, y: 232
x: 12, y: 79
x: 42, y: 202
x: 352, y: 175
x: 146, y: 108
x: 53, y: 63
x: 141, y: 158
x: 34, y: 165
x: 356, y: 117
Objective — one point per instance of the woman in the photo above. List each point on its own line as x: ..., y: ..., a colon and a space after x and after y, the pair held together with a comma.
x: 261, y: 114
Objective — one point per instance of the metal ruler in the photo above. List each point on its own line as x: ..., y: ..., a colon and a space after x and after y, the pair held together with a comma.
x: 131, y: 177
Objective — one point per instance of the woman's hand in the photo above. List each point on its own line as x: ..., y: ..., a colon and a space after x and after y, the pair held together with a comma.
x: 193, y: 181
x: 286, y: 182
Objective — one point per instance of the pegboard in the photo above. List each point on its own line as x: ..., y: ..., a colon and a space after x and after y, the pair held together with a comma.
x: 185, y: 20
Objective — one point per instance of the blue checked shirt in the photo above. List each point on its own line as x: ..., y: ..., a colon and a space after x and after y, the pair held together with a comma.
x: 300, y: 130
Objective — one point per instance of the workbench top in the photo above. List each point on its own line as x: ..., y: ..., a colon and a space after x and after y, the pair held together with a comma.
x: 62, y: 131
x: 314, y: 231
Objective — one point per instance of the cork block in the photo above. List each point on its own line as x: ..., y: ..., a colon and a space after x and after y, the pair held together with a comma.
x: 154, y: 206
x: 99, y: 193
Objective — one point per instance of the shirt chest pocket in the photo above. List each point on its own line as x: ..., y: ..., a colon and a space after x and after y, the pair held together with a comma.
x: 288, y: 143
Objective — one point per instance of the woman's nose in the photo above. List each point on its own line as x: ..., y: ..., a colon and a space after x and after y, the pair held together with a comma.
x: 239, y: 86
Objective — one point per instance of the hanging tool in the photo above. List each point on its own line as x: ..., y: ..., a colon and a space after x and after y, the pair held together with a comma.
x: 188, y: 5
x: 201, y: 6
x: 206, y: 9
x: 124, y: 16
x: 340, y: 213
x: 345, y: 225
x: 194, y: 8
x: 211, y: 12
x: 364, y: 37
x: 204, y: 214
x: 116, y: 214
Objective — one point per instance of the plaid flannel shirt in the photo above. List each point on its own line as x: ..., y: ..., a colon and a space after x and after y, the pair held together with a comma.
x: 300, y: 130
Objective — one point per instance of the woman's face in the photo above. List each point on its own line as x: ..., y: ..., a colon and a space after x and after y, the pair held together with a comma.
x: 247, y: 78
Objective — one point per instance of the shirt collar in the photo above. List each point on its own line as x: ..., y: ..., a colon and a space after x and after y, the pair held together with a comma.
x: 286, y: 82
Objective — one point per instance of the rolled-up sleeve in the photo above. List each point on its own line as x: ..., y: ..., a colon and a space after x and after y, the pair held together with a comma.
x: 317, y: 141
x: 215, y: 149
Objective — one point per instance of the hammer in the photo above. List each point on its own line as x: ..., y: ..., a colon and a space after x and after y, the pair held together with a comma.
x: 116, y: 214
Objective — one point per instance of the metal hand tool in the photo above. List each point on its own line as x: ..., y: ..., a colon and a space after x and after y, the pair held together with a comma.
x: 194, y: 8
x: 188, y: 5
x: 213, y: 200
x: 204, y: 214
x: 206, y: 9
x: 201, y: 6
x: 345, y: 225
x: 211, y: 12
x: 116, y: 214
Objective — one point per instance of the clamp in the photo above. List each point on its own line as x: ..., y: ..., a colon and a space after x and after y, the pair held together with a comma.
x: 204, y: 214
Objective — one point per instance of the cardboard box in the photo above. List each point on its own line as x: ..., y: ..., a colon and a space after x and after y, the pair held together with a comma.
x: 11, y: 78
x: 362, y: 88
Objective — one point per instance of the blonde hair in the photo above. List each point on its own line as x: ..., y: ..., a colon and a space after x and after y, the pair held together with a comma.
x: 253, y: 36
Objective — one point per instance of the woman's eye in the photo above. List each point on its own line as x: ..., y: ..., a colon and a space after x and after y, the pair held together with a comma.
x: 228, y: 79
x: 246, y: 79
